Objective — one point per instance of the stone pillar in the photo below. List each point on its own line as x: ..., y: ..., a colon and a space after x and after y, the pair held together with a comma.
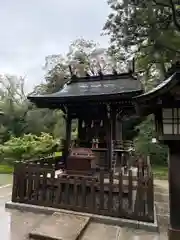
x: 174, y: 190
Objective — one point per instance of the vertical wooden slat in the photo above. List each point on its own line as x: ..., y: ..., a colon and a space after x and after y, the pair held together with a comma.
x: 36, y: 182
x: 75, y: 191
x: 120, y: 191
x: 93, y: 196
x: 83, y: 186
x: 150, y: 197
x: 58, y: 196
x: 110, y: 197
x: 15, y: 197
x: 140, y: 209
x: 29, y: 180
x: 22, y: 172
x: 26, y: 183
x: 101, y: 206
x: 44, y: 184
x: 52, y: 180
x: 67, y: 190
x: 130, y: 189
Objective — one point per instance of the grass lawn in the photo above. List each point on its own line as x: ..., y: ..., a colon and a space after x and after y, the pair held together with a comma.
x: 6, y: 169
x: 160, y: 172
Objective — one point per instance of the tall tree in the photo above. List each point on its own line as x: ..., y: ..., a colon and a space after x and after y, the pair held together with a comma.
x: 81, y: 51
x: 149, y: 29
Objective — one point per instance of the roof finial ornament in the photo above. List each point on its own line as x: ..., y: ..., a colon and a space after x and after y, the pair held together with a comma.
x: 100, y: 73
x: 73, y: 75
x: 114, y: 71
x: 70, y: 70
x: 131, y: 65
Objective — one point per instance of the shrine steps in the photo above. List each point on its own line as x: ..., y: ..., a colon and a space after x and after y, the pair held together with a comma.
x: 60, y: 226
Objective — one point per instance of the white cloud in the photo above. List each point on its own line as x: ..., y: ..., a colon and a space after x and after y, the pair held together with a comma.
x: 31, y: 30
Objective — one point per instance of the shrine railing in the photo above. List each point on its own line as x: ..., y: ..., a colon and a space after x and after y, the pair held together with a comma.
x: 123, y: 195
x: 122, y: 145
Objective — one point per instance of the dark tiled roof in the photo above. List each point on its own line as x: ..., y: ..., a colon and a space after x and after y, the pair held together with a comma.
x: 160, y: 89
x: 121, y: 84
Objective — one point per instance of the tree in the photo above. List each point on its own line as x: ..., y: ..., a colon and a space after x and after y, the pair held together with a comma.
x: 14, y: 105
x: 94, y: 58
x: 144, y: 145
x: 149, y: 29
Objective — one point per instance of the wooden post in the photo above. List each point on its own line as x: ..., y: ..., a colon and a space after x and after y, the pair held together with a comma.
x: 80, y: 128
x: 174, y: 190
x: 68, y: 136
x: 114, y: 127
x: 109, y: 142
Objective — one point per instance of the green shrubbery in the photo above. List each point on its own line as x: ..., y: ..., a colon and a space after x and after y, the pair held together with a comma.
x: 28, y: 147
x: 143, y: 143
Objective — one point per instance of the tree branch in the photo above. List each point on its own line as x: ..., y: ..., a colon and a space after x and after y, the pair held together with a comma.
x: 161, y: 4
x: 176, y: 23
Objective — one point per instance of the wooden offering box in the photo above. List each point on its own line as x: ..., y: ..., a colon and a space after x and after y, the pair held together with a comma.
x: 79, y: 161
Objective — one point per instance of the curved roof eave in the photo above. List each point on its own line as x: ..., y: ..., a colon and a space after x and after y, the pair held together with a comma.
x: 162, y: 88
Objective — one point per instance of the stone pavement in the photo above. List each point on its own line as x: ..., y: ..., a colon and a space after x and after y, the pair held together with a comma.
x: 16, y: 225
x: 161, y: 197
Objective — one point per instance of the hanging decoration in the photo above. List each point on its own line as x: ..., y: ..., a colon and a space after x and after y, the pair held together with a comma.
x: 83, y: 124
x: 108, y: 111
x: 101, y: 123
x: 92, y: 124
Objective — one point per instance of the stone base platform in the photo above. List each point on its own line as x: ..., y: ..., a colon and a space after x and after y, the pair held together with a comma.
x: 153, y: 227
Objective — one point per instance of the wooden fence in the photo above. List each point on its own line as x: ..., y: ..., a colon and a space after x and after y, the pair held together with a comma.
x: 124, y: 196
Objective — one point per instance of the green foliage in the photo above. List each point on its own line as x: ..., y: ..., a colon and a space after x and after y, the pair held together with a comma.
x: 28, y: 147
x: 149, y: 29
x: 143, y: 143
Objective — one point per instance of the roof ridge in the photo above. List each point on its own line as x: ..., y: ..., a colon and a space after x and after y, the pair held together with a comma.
x: 102, y: 77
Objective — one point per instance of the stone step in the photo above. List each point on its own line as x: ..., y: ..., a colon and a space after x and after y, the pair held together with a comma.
x: 60, y: 226
x: 99, y: 231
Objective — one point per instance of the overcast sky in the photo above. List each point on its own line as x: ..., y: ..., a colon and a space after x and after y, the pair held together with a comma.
x: 33, y: 29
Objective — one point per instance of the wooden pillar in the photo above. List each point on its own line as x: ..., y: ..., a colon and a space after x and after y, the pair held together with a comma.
x: 114, y: 127
x: 68, y: 136
x: 80, y: 121
x: 109, y: 142
x: 119, y: 130
x: 174, y: 190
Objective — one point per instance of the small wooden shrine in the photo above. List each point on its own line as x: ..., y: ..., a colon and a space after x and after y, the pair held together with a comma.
x: 99, y: 103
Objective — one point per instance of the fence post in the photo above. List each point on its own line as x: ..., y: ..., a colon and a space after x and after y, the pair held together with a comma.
x: 101, y: 199
x: 14, y: 197
x: 130, y: 189
x: 110, y: 197
x: 21, y: 181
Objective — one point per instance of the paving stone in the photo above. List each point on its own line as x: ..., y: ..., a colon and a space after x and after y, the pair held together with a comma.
x: 97, y: 231
x: 60, y: 226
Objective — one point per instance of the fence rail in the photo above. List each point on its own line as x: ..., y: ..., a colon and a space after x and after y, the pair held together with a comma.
x: 122, y: 196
